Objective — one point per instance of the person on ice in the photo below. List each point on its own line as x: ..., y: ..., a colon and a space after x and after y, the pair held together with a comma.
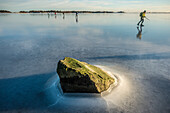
x: 142, y: 16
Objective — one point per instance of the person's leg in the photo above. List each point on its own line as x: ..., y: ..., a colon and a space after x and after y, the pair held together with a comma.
x: 139, y: 22
x: 142, y: 21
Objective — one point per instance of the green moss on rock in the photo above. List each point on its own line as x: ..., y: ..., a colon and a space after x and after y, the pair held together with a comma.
x: 76, y: 76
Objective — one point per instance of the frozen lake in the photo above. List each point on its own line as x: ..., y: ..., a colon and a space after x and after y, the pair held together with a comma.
x: 32, y: 44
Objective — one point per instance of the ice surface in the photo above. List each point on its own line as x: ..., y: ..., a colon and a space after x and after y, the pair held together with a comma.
x: 32, y: 44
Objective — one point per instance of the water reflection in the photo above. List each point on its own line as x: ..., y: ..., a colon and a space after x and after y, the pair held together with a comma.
x: 139, y: 35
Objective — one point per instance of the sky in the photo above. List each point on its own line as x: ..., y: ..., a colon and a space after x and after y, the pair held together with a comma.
x: 90, y: 5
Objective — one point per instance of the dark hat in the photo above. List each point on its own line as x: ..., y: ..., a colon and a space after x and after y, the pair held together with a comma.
x: 144, y: 10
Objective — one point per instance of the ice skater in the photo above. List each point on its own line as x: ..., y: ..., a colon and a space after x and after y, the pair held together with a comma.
x: 48, y: 15
x: 76, y: 13
x: 142, y: 16
x: 63, y: 16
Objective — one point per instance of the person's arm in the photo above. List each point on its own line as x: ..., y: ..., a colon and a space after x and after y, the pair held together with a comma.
x: 146, y: 18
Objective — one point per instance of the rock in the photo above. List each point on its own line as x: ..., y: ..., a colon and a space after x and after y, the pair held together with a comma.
x: 81, y: 77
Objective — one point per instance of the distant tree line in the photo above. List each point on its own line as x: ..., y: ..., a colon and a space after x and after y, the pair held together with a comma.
x: 5, y: 11
x: 54, y: 11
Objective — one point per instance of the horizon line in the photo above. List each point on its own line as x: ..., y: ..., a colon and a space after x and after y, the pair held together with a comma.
x: 86, y: 11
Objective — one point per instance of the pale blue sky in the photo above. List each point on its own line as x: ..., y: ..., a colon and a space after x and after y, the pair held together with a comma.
x: 110, y: 5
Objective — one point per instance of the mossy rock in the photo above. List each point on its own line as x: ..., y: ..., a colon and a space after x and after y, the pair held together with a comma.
x: 81, y: 77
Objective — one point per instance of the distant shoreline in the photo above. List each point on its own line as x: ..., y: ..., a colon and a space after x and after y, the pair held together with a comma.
x: 54, y: 11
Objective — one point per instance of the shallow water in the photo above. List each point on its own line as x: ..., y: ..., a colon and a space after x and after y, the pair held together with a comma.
x: 32, y: 44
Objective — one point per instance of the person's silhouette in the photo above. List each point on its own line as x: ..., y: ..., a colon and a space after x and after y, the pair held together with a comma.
x: 76, y: 13
x: 63, y: 16
x: 48, y: 15
x: 77, y: 19
x: 142, y: 16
